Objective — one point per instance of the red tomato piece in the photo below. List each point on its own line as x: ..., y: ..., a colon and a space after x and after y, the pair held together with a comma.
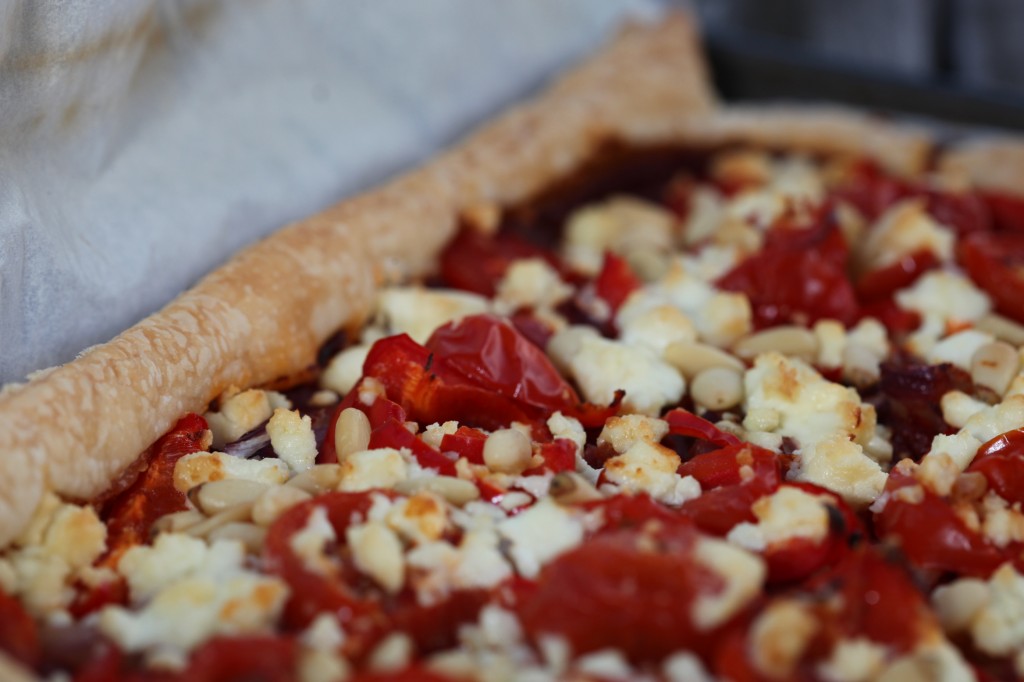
x: 931, y: 534
x: 877, y: 599
x: 624, y: 512
x: 19, y: 636
x: 909, y: 403
x: 616, y: 281
x: 477, y: 262
x: 884, y: 282
x: 684, y: 423
x: 536, y: 331
x: 90, y: 600
x: 1001, y: 461
x: 393, y: 434
x: 728, y: 495
x: 243, y: 659
x: 649, y: 584
x: 995, y: 261
x: 467, y: 442
x: 559, y: 455
x: 130, y: 514
x: 870, y: 190
x: 312, y: 593
x: 799, y: 276
x: 1007, y: 211
x: 895, y: 319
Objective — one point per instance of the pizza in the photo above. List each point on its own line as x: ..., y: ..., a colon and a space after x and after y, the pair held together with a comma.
x: 625, y: 386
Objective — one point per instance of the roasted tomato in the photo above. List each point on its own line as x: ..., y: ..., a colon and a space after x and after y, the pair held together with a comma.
x: 19, y: 637
x: 131, y: 514
x: 1001, y: 462
x: 930, y: 533
x: 882, y: 283
x: 799, y: 276
x: 616, y: 281
x: 476, y: 262
x: 651, y: 579
x: 995, y: 261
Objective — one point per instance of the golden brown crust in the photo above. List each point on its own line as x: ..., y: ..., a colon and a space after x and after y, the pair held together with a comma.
x: 265, y: 313
x: 820, y: 129
x: 991, y: 164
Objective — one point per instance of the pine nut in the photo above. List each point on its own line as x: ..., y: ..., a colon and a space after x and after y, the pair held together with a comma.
x: 994, y: 365
x: 318, y: 479
x: 239, y: 512
x: 177, y: 522
x: 568, y: 487
x: 717, y: 388
x: 249, y: 534
x: 789, y: 340
x: 508, y: 451
x: 1003, y: 328
x: 691, y: 358
x: 216, y: 496
x: 860, y: 365
x: 276, y: 501
x: 454, y: 490
x: 377, y: 552
x: 351, y: 432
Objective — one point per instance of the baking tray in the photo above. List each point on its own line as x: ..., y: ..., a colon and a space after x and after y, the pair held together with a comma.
x: 754, y: 67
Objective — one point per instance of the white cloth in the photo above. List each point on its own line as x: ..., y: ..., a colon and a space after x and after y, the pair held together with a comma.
x: 143, y: 141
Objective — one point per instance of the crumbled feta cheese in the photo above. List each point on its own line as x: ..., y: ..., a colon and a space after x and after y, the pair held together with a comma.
x: 903, y: 229
x: 435, y: 433
x: 1002, y: 524
x: 721, y: 317
x: 539, y: 534
x: 841, y: 466
x: 811, y: 409
x: 779, y: 636
x: 566, y: 344
x: 937, y: 661
x: 684, y: 666
x: 605, y: 663
x: 948, y: 295
x: 378, y: 468
x: 377, y: 552
x: 656, y: 328
x: 440, y: 567
x: 710, y: 263
x: 420, y: 518
x: 958, y: 408
x: 530, y: 283
x: 707, y: 210
x: 293, y: 440
x: 998, y: 419
x: 601, y: 367
x: 345, y: 369
x: 786, y: 514
x: 958, y: 348
x: 622, y: 433
x: 853, y: 660
x: 998, y: 628
x: 741, y: 572
x: 651, y: 468
x: 203, y: 467
x: 238, y: 415
x: 624, y: 225
x: 418, y: 312
x: 310, y: 542
x: 938, y: 472
x: 323, y: 633
x: 869, y: 333
x: 568, y: 428
x: 960, y: 447
x: 831, y: 337
x: 208, y: 592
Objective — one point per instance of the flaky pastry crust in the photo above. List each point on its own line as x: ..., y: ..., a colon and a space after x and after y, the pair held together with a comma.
x: 993, y: 164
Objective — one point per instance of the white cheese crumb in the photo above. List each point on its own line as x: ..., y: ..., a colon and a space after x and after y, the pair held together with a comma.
x: 903, y: 229
x: 786, y: 514
x: 203, y: 467
x: 841, y: 466
x: 539, y: 534
x: 948, y: 295
x: 622, y: 433
x: 310, y: 542
x: 238, y: 415
x: 418, y: 312
x: 377, y: 552
x: 853, y: 660
x: 742, y: 573
x: 378, y: 468
x: 345, y: 369
x: 656, y: 328
x: 601, y: 367
x: 530, y: 283
x: 651, y: 468
x: 293, y: 440
x: 779, y: 636
x: 684, y: 666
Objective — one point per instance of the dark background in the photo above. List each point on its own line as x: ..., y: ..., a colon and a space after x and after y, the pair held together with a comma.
x: 974, y: 43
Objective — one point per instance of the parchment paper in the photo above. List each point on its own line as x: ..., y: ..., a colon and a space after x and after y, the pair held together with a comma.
x: 143, y: 141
